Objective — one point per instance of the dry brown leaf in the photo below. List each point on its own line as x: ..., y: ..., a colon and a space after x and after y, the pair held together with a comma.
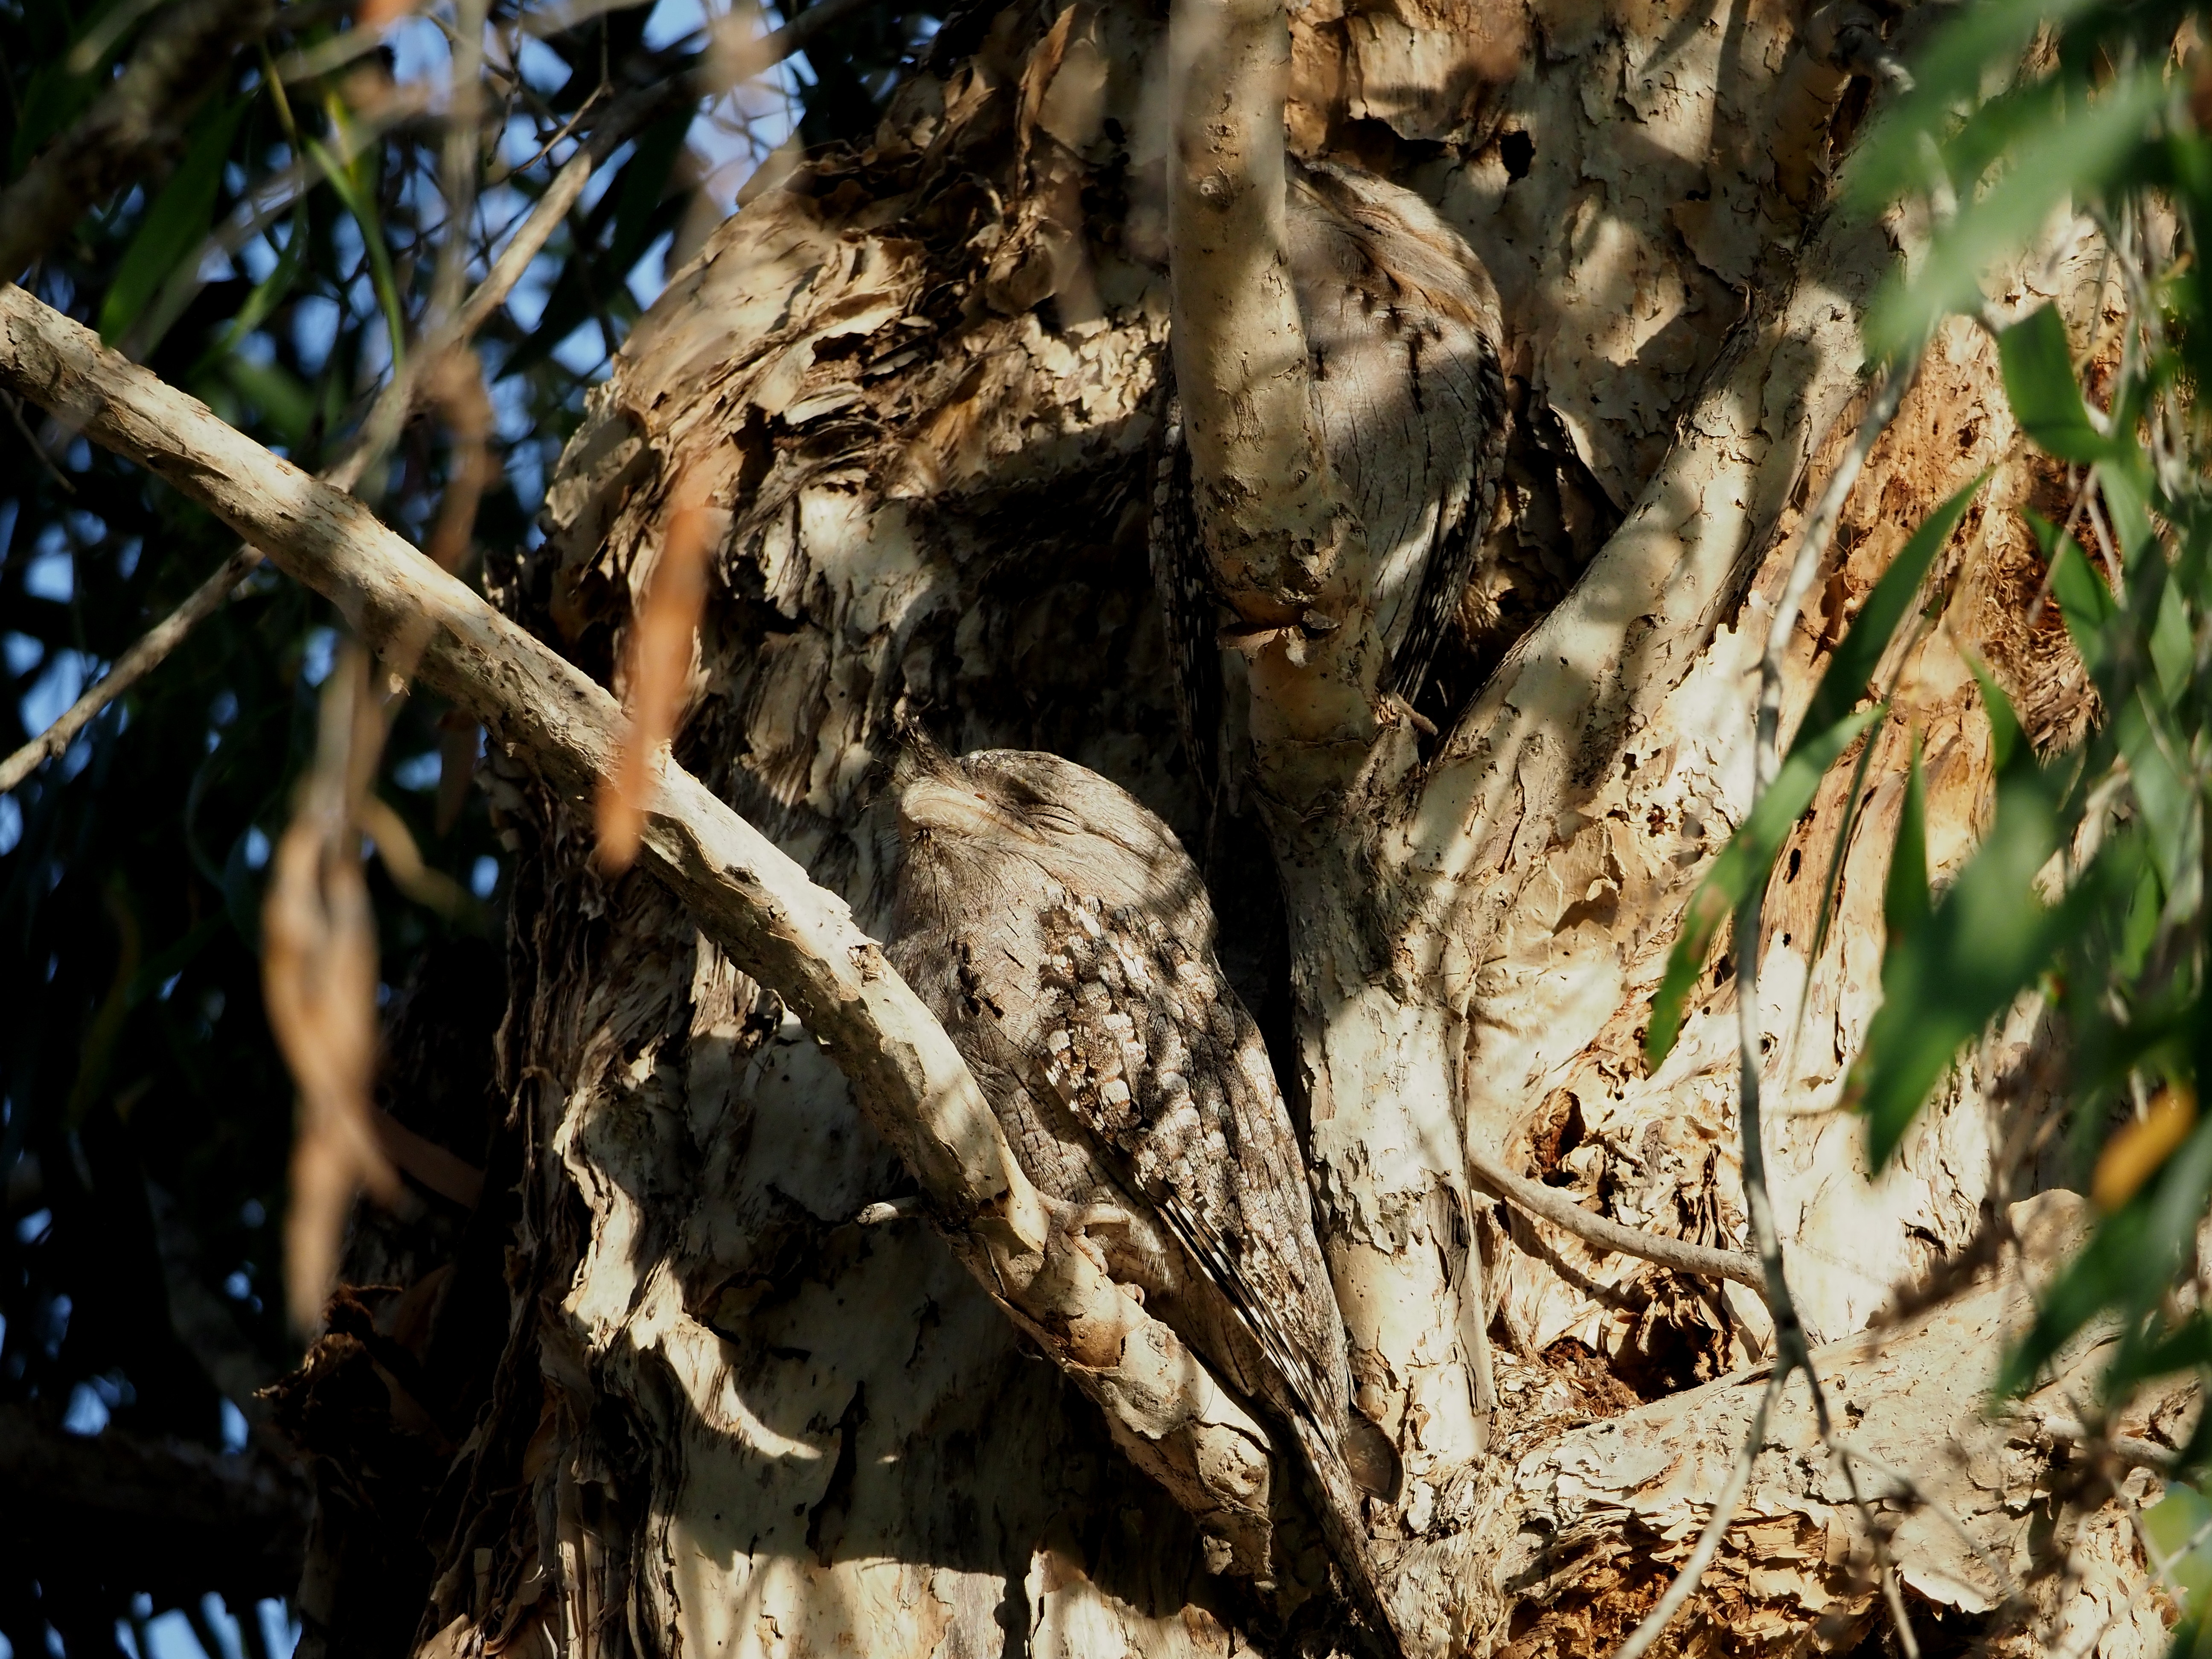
x: 444, y: 1171
x: 2135, y: 1153
x: 403, y: 860
x: 319, y: 982
x: 456, y: 386
x: 459, y: 736
x: 659, y: 668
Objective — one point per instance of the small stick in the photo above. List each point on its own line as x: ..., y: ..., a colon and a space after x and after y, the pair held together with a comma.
x: 132, y: 666
x: 1677, y: 1254
x: 1791, y: 1350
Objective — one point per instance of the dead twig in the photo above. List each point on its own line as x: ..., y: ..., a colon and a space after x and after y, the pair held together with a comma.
x: 1709, y: 1542
x: 1792, y: 1352
x: 1676, y: 1255
x: 147, y: 655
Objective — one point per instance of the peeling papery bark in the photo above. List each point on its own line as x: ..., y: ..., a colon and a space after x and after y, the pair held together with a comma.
x: 1584, y: 1529
x: 1165, y: 1410
x: 920, y: 382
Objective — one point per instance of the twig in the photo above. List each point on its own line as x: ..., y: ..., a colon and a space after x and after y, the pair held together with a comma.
x: 2007, y: 1585
x: 731, y: 60
x: 1677, y: 1254
x: 61, y: 479
x: 1791, y: 1352
x: 133, y: 665
x: 1709, y: 1542
x: 2127, y: 1448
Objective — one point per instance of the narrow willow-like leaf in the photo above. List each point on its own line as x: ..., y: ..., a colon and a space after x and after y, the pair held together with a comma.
x: 1989, y: 938
x: 1748, y: 857
x: 2126, y: 1265
x: 268, y: 294
x: 1948, y: 72
x: 2044, y: 394
x: 176, y: 223
x: 2077, y: 157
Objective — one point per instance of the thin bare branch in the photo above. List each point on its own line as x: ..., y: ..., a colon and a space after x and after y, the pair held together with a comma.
x: 1676, y: 1255
x: 152, y: 648
x: 1709, y: 1542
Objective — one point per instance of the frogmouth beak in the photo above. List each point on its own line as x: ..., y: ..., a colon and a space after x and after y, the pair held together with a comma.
x: 940, y: 806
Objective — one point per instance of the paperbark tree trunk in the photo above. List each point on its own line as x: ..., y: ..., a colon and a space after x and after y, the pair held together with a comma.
x: 921, y: 383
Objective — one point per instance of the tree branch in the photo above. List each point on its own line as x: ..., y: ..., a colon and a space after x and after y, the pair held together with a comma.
x: 745, y: 892
x: 1548, y: 1204
x: 171, y: 1518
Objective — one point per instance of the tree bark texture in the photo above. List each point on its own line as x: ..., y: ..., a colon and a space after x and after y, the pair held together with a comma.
x: 922, y: 383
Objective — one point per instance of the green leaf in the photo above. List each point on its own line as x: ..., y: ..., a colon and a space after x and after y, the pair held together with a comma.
x: 354, y: 184
x: 2078, y: 157
x: 57, y: 95
x: 268, y: 294
x: 2009, y: 749
x: 2173, y: 654
x: 1905, y: 901
x: 2122, y: 481
x: 2041, y: 385
x: 1989, y: 938
x: 177, y: 223
x: 2161, y: 785
x: 2083, y: 599
x: 1747, y: 859
x: 644, y: 182
x: 2179, y: 1528
x: 276, y: 392
x: 1850, y: 673
x: 1947, y: 74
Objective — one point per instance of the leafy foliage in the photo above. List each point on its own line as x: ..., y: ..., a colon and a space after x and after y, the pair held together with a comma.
x: 2087, y: 889
x: 275, y: 271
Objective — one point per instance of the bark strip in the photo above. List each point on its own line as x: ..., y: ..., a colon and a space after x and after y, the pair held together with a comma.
x: 746, y: 894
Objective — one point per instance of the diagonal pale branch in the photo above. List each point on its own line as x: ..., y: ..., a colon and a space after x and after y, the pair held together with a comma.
x: 745, y: 892
x: 644, y: 104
